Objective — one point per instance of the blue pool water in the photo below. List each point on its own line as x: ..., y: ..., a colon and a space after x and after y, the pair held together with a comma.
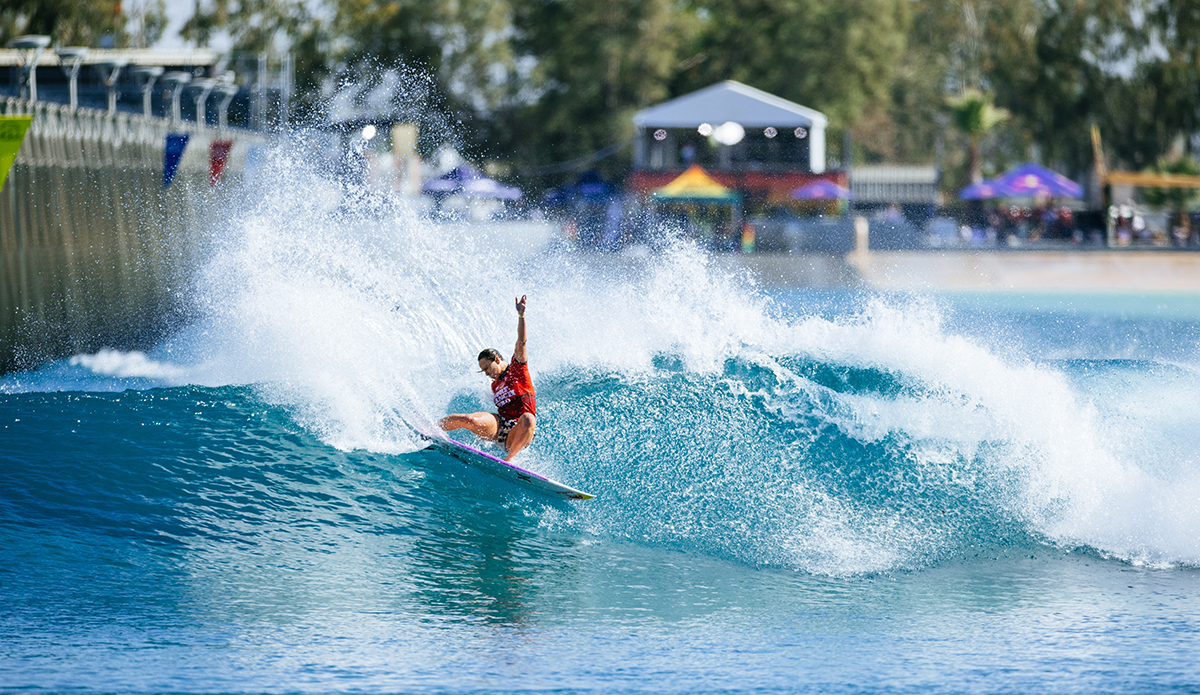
x: 796, y: 490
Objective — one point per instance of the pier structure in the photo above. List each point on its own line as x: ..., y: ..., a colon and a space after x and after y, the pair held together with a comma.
x: 95, y: 250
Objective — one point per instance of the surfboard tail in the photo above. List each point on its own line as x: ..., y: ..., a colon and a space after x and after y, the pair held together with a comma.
x: 501, y: 468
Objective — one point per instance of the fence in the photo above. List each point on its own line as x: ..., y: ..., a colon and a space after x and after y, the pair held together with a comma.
x: 96, y: 251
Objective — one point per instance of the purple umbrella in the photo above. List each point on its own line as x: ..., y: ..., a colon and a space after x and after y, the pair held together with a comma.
x: 1036, y: 181
x: 821, y: 190
x: 468, y: 180
x: 490, y: 188
x: 453, y: 180
x: 986, y: 190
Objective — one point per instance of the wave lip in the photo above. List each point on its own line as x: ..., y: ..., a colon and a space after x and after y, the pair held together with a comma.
x: 704, y: 412
x: 126, y: 365
x: 878, y: 443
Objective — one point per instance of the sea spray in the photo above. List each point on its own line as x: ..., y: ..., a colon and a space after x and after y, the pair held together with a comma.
x: 706, y: 415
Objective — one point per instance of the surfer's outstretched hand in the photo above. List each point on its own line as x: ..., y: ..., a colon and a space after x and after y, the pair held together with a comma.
x: 521, y: 305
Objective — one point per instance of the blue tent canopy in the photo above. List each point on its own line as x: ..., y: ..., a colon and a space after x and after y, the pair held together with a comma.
x: 588, y: 188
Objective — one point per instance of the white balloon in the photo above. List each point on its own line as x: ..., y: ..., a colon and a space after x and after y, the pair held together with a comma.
x: 729, y: 133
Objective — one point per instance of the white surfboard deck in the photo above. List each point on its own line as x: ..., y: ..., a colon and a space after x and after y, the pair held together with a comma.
x: 503, y: 469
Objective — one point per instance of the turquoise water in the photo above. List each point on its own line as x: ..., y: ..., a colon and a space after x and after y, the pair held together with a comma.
x: 796, y: 490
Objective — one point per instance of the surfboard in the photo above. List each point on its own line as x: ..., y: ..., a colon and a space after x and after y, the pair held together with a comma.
x: 503, y: 469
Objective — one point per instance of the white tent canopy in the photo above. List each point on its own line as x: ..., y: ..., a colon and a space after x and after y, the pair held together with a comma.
x: 731, y: 101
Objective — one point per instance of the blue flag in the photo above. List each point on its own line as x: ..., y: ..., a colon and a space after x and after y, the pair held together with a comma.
x: 172, y: 153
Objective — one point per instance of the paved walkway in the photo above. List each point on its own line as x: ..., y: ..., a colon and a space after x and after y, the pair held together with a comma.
x: 1051, y: 271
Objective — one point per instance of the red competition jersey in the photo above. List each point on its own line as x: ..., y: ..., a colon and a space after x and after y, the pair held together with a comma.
x: 513, y: 391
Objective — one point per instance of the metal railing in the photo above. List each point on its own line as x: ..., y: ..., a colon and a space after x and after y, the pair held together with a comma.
x: 94, y: 250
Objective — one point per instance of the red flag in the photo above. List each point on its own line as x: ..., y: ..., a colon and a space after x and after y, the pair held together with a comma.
x: 218, y: 155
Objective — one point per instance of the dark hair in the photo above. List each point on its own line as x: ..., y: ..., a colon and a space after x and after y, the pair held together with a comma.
x: 490, y: 354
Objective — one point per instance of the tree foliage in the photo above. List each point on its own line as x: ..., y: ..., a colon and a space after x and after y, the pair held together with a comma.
x: 837, y: 57
x: 1177, y: 199
x: 974, y: 115
x: 252, y: 25
x: 257, y: 26
x: 542, y: 81
x: 595, y: 62
x: 84, y: 22
x: 464, y: 43
x: 1057, y: 67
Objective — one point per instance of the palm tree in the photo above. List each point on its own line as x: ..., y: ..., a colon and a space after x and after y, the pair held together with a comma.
x: 975, y: 115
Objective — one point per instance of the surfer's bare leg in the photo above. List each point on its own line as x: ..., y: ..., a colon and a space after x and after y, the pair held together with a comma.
x: 481, y: 424
x: 520, y: 435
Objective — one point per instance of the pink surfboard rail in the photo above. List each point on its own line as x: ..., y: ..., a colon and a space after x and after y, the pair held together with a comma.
x: 503, y: 469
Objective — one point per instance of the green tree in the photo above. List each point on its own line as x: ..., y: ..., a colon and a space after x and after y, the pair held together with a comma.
x: 465, y: 43
x: 147, y: 22
x: 448, y: 66
x: 1178, y: 200
x: 543, y: 81
x: 1058, y: 70
x: 253, y: 25
x: 1175, y: 25
x: 1054, y: 67
x: 258, y: 26
x: 593, y: 64
x: 974, y: 115
x: 837, y: 57
x: 1162, y: 100
x: 80, y: 22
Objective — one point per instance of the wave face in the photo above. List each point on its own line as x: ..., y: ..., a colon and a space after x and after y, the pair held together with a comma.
x: 833, y: 434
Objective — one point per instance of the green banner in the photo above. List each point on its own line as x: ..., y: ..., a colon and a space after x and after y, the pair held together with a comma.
x: 12, y: 134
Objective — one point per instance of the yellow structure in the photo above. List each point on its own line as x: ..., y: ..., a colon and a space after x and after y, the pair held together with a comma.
x: 695, y: 184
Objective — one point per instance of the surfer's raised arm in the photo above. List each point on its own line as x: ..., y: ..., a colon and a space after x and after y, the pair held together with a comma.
x: 519, y: 351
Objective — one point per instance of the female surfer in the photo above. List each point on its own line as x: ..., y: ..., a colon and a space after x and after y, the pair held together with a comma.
x: 515, y: 421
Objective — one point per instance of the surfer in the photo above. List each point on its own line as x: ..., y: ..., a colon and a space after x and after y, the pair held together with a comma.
x: 515, y: 421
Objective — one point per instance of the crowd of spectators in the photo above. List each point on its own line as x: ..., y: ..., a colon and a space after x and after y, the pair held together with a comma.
x: 1131, y: 228
x: 1048, y: 225
x: 1014, y: 225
